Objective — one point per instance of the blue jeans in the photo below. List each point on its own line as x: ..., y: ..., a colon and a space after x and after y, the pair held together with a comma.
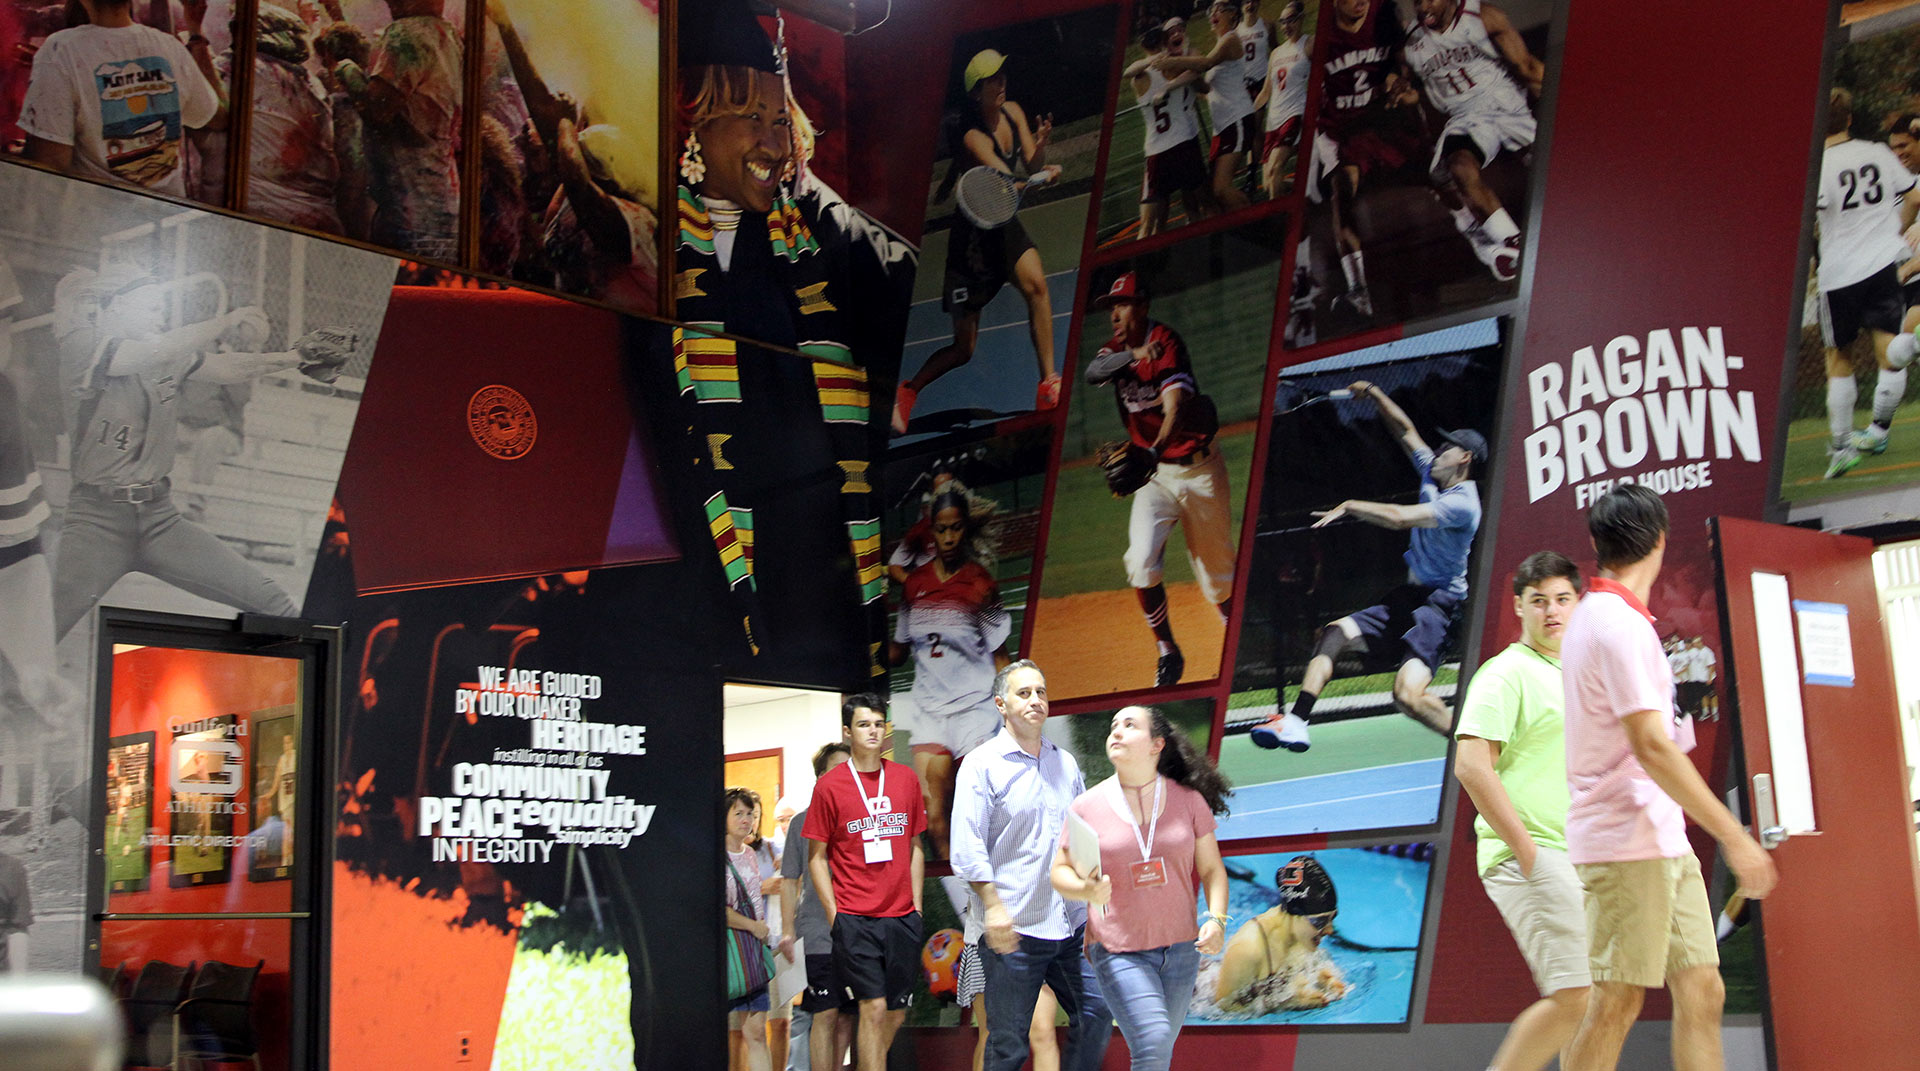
x: 1149, y: 993
x: 1013, y: 987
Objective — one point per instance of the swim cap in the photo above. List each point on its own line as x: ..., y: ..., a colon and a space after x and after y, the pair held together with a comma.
x: 1305, y: 887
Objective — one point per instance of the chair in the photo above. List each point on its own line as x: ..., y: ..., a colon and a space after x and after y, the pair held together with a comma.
x: 157, y: 991
x: 116, y: 980
x: 214, y: 1025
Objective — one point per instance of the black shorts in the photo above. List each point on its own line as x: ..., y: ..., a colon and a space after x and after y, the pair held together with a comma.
x: 1420, y: 616
x: 980, y: 262
x: 825, y: 991
x: 1178, y: 169
x: 877, y: 957
x: 1874, y: 303
x: 1239, y: 136
x: 1692, y: 695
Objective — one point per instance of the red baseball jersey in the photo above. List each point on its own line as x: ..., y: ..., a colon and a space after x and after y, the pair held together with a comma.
x: 1138, y: 388
x: 841, y: 816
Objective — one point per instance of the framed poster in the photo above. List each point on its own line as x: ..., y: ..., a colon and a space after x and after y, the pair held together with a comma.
x: 129, y: 812
x: 204, y: 769
x: 275, y: 777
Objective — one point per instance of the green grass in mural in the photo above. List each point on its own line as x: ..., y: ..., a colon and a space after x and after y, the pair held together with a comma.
x: 1089, y: 533
x: 1338, y: 746
x: 1740, y: 970
x: 1804, y: 464
x: 127, y: 858
x: 1361, y: 685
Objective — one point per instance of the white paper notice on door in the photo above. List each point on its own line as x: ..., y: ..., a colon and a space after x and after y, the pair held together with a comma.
x: 1826, y: 649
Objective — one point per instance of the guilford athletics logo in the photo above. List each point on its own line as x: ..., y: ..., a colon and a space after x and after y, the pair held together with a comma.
x: 501, y: 421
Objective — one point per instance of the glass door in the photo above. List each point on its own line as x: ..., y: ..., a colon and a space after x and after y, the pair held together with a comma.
x: 205, y: 868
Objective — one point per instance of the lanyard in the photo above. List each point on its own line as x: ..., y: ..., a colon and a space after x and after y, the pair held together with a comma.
x: 862, y: 789
x: 1119, y: 802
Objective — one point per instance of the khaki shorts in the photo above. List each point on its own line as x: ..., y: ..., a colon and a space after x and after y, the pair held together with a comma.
x: 1647, y: 919
x: 1547, y: 918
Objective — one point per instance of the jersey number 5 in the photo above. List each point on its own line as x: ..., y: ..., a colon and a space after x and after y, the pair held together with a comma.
x: 1162, y: 122
x: 1866, y: 175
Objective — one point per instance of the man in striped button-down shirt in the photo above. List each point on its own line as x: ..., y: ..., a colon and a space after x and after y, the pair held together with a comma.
x: 1008, y: 810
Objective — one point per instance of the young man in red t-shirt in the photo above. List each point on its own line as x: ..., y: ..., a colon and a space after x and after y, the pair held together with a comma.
x: 867, y: 867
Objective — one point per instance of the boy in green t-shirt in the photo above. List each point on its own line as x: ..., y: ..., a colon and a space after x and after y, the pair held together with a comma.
x: 1511, y: 759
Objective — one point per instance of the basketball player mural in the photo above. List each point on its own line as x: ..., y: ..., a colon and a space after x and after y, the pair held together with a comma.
x: 122, y: 371
x: 1474, y: 69
x: 1169, y: 466
x: 1360, y: 131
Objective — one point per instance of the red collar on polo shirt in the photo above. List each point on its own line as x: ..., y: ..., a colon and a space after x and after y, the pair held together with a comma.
x: 1601, y: 583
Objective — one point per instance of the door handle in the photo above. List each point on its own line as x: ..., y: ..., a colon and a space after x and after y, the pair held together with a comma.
x: 1765, y: 818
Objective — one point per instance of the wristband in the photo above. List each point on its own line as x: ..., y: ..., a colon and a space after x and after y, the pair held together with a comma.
x: 198, y: 39
x: 1220, y: 918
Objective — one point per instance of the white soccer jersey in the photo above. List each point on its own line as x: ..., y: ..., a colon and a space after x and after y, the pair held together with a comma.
x: 954, y: 626
x: 1228, y: 101
x: 1861, y: 183
x: 1460, y: 68
x: 1253, y: 53
x: 1288, y: 66
x: 1171, y: 119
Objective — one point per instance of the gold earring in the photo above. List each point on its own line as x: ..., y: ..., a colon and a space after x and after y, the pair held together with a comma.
x: 692, y: 168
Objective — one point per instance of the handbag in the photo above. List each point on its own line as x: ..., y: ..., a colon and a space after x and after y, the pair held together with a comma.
x: 749, y: 960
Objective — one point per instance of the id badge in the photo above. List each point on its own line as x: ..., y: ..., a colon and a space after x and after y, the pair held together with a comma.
x: 879, y: 850
x: 1150, y: 873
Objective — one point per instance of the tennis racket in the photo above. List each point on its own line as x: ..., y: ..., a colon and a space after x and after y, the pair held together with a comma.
x: 989, y: 198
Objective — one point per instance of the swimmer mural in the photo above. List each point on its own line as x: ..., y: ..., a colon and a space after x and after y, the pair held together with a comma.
x: 1331, y: 936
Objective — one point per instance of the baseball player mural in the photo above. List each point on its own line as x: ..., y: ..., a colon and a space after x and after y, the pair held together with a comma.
x: 122, y: 372
x: 127, y: 309
x: 1419, y: 614
x: 1168, y: 465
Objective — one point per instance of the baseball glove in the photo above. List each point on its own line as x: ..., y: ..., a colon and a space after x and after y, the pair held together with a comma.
x: 325, y: 350
x: 1128, y: 466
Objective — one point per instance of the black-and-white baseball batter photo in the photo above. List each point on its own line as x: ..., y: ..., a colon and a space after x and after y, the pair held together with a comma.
x: 177, y: 390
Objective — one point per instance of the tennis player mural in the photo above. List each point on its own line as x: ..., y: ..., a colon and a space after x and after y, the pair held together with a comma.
x: 1359, y: 586
x: 1012, y: 181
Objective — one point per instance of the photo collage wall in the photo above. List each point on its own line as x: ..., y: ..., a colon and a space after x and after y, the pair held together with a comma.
x: 509, y: 137
x: 1275, y: 258
x: 1271, y: 249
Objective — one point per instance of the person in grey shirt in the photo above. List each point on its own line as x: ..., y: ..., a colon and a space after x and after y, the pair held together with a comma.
x: 818, y: 1020
x: 1009, y: 807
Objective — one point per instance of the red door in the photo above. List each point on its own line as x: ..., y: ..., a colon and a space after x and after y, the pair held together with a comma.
x: 1842, y: 931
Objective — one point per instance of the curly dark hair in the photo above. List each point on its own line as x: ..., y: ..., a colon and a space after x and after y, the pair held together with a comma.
x: 1185, y: 764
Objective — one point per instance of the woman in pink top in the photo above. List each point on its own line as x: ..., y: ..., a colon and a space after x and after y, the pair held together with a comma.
x: 1154, y: 818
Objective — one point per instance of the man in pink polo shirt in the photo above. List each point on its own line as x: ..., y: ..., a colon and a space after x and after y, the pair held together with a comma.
x: 1632, y: 788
